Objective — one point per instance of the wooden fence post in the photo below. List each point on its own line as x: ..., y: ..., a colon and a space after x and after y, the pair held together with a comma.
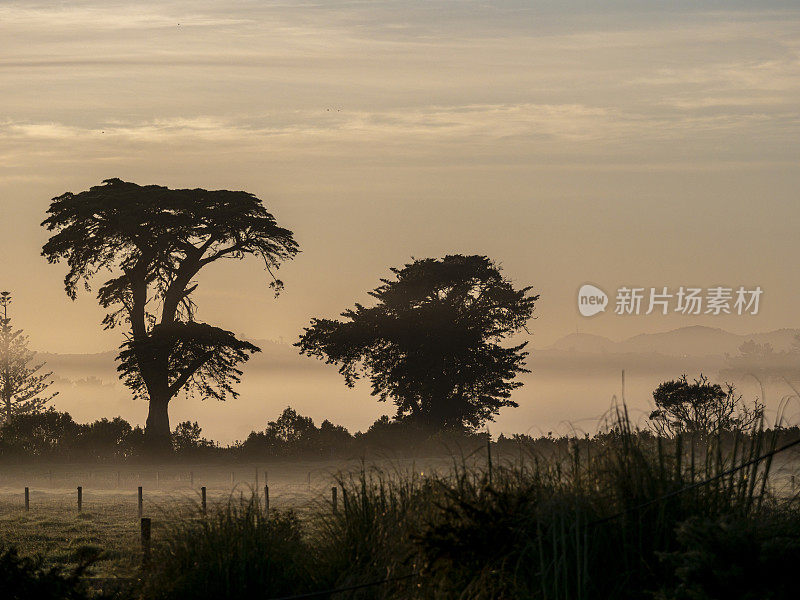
x: 203, y: 499
x: 80, y: 498
x: 141, y: 504
x: 27, y: 499
x: 146, y: 529
x: 489, y: 457
x: 333, y: 497
x: 266, y: 500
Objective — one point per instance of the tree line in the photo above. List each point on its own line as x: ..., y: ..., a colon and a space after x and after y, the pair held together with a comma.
x: 51, y: 435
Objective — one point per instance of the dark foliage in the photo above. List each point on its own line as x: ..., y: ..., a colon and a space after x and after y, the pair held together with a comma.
x: 295, y: 435
x: 701, y: 407
x: 743, y: 558
x: 53, y: 435
x: 236, y: 552
x: 431, y: 344
x: 187, y: 439
x: 156, y: 240
x: 24, y: 578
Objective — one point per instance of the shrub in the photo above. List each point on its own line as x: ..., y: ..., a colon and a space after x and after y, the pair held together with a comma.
x: 23, y: 578
x: 745, y: 558
x: 235, y: 552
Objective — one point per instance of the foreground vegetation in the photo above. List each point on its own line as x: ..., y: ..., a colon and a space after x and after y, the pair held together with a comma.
x: 621, y: 515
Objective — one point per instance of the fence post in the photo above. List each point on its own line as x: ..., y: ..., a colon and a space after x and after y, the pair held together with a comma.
x: 146, y: 528
x: 266, y: 500
x: 489, y: 457
x: 333, y: 497
x: 80, y: 498
x: 203, y: 499
x: 140, y: 502
x: 27, y: 499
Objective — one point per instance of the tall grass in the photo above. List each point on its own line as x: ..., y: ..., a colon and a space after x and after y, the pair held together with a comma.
x: 597, y: 521
x: 236, y: 551
x: 623, y: 515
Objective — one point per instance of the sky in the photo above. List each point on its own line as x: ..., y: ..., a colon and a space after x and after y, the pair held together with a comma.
x: 619, y: 143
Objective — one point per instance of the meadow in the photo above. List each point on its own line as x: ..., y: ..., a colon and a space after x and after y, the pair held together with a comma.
x: 621, y: 515
x: 108, y: 523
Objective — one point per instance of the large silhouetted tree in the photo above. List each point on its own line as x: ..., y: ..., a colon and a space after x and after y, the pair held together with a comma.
x: 432, y: 343
x: 155, y: 240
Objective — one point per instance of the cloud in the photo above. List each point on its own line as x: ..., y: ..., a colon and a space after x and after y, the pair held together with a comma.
x: 505, y: 83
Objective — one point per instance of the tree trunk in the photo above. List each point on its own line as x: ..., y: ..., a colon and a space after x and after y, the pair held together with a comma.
x: 157, y: 431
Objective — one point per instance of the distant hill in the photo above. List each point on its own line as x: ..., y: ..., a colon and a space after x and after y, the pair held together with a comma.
x: 687, y: 348
x: 584, y: 342
x: 685, y: 341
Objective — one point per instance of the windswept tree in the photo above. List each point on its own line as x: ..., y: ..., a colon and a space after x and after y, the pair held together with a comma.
x: 701, y: 407
x: 433, y: 341
x: 23, y: 385
x: 154, y: 241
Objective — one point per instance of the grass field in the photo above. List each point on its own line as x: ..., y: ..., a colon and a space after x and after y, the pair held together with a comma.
x: 388, y: 509
x: 109, y: 521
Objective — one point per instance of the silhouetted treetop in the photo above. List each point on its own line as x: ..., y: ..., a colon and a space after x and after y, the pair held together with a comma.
x: 154, y: 241
x: 129, y: 225
x: 431, y: 342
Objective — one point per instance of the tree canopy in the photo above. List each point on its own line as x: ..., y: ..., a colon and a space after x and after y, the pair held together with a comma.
x: 701, y: 407
x: 154, y: 241
x: 432, y: 341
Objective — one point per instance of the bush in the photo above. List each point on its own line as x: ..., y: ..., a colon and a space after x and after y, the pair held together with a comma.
x: 27, y: 578
x: 46, y: 434
x: 235, y: 552
x: 188, y: 441
x: 748, y: 559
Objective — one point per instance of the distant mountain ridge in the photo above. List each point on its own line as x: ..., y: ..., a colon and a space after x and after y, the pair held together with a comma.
x: 696, y: 340
x: 693, y: 341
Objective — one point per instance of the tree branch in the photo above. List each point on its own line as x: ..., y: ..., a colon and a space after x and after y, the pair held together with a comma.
x: 189, y: 371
